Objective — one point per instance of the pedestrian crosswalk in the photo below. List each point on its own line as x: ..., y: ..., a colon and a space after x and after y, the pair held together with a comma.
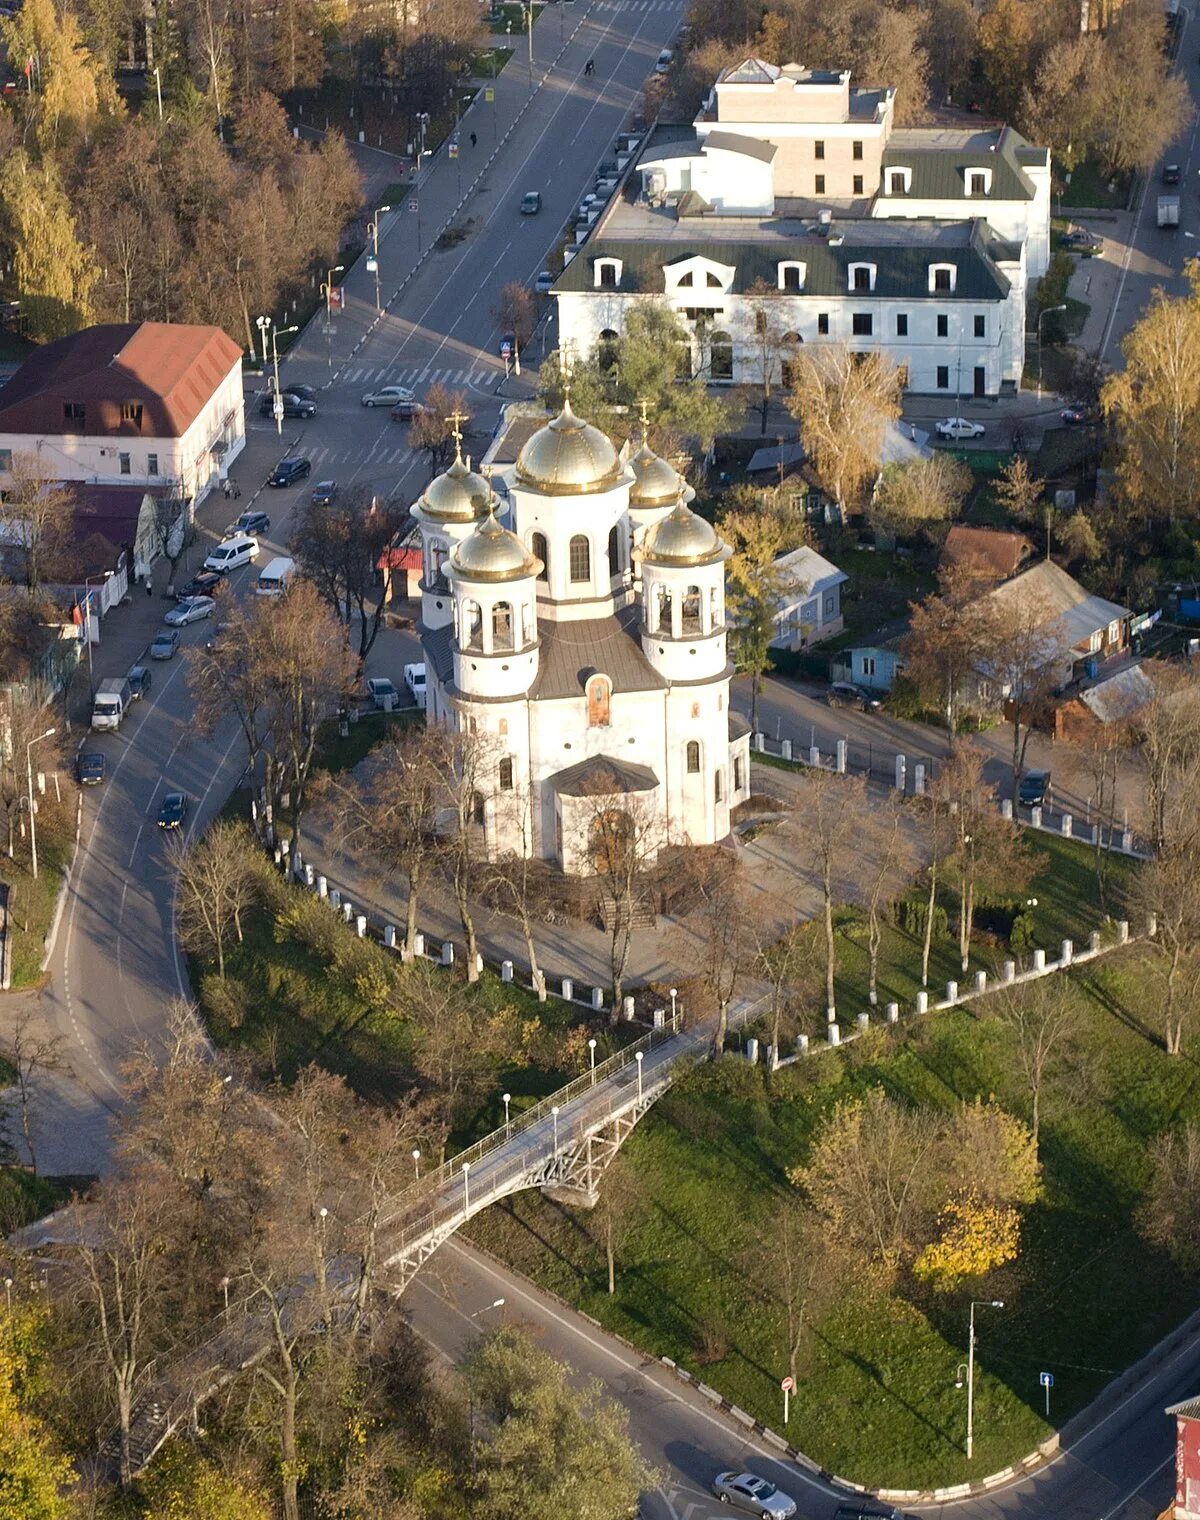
x: 625, y: 6
x: 414, y: 375
x: 382, y: 457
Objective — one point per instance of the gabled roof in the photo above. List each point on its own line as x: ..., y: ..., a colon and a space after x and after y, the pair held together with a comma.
x: 940, y: 159
x: 601, y: 775
x: 808, y: 573
x: 170, y: 370
x: 1189, y: 1409
x: 1119, y: 696
x: 992, y: 549
x: 1075, y: 612
x: 902, y: 267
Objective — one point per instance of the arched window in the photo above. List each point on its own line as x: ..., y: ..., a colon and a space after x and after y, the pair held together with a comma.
x: 714, y: 608
x: 691, y: 610
x: 664, y: 610
x: 717, y: 786
x: 538, y: 546
x: 685, y: 281
x: 607, y: 349
x: 477, y: 806
x: 506, y: 774
x: 581, y: 559
x: 502, y: 626
x: 471, y: 632
x: 437, y: 565
x: 614, y: 551
x: 528, y: 623
x: 712, y: 281
x: 721, y: 362
x: 599, y: 701
x: 693, y: 757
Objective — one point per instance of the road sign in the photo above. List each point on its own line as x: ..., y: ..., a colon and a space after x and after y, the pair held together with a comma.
x: 1046, y: 1379
x: 488, y: 94
x: 414, y: 205
x: 788, y: 1384
x: 372, y: 264
x: 505, y: 350
x: 453, y: 150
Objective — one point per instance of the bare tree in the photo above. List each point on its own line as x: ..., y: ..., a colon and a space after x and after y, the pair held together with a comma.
x: 1168, y: 736
x: 1025, y: 640
x: 620, y: 1209
x: 723, y: 920
x: 465, y: 763
x: 1043, y: 1018
x: 950, y: 636
x: 36, y: 514
x: 516, y: 313
x: 1165, y: 888
x: 790, y: 967
x: 520, y: 883
x: 939, y: 841
x: 432, y: 429
x: 800, y: 1266
x: 890, y: 842
x: 217, y: 880
x: 770, y: 342
x: 1169, y: 1215
x: 34, y: 1057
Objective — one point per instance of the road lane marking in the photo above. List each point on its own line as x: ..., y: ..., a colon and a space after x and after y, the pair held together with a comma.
x: 136, y: 841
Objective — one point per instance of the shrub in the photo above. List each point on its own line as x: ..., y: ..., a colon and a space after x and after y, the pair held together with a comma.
x: 1022, y: 937
x: 225, y: 1001
x: 904, y: 700
x: 310, y: 922
x: 910, y: 914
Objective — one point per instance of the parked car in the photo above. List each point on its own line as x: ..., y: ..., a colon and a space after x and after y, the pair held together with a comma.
x: 204, y: 583
x: 173, y: 811
x: 382, y: 692
x: 531, y: 203
x: 304, y: 392
x: 1086, y: 244
x: 754, y: 1494
x: 1171, y: 174
x: 89, y: 769
x: 164, y: 644
x: 868, y: 1509
x: 846, y: 694
x: 1033, y: 789
x: 288, y: 471
x: 325, y: 493
x: 249, y: 522
x: 387, y: 395
x: 959, y: 428
x: 232, y: 554
x: 414, y: 679
x: 662, y: 65
x: 405, y: 411
x: 1072, y: 415
x: 139, y: 682
x: 293, y: 405
x: 194, y: 610
x: 544, y: 283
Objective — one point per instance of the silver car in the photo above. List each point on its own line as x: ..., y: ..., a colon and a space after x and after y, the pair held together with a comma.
x: 754, y: 1494
x: 387, y: 395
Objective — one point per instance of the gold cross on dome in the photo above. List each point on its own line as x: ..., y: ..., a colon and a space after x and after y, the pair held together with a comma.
x: 456, y: 420
x: 644, y: 409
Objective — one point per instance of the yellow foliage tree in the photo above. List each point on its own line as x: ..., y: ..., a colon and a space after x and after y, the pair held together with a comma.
x: 55, y: 272
x: 181, y: 1485
x: 976, y: 1238
x: 34, y: 1477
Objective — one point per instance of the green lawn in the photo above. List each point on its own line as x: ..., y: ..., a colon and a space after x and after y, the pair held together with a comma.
x: 1090, y: 187
x: 487, y: 63
x: 24, y: 1197
x: 510, y: 19
x: 31, y: 903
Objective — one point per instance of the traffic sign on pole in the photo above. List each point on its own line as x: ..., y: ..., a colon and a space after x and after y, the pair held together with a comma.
x: 453, y: 150
x: 787, y: 1385
x: 414, y: 205
x: 1046, y: 1379
x: 489, y: 94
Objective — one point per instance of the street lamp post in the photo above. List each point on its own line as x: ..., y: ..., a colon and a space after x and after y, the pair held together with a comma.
x: 528, y: 9
x: 32, y: 819
x: 416, y: 1155
x: 265, y: 325
x: 554, y: 1116
x: 158, y: 89
x: 592, y: 1052
x: 327, y: 292
x: 976, y: 1303
x: 641, y: 1056
x: 466, y: 1187
x: 1042, y: 315
x: 675, y: 990
x: 507, y: 1100
x: 497, y: 1303
x: 373, y: 229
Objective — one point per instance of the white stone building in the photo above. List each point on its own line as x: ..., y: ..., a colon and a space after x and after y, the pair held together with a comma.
x: 155, y: 404
x: 920, y: 243
x: 577, y: 630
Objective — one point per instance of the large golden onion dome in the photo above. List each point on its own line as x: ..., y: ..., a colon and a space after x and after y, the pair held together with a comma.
x: 682, y: 538
x: 492, y: 553
x: 458, y: 494
x: 656, y: 482
x: 568, y: 457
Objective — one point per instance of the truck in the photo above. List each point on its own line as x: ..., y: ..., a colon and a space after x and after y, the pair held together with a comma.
x: 1168, y: 211
x: 111, y: 702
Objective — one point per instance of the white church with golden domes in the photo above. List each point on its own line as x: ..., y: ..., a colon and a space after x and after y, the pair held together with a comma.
x: 574, y: 623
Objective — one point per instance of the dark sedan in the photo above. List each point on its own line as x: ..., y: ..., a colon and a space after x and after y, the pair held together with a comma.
x: 173, y: 811
x: 204, y: 584
x: 89, y: 769
x: 288, y: 471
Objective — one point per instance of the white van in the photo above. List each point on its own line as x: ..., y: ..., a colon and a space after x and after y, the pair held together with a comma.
x: 414, y: 679
x: 275, y: 576
x: 232, y: 554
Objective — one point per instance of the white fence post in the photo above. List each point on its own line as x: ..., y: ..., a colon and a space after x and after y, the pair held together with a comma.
x: 568, y: 989
x: 841, y: 757
x: 785, y: 748
x: 901, y: 765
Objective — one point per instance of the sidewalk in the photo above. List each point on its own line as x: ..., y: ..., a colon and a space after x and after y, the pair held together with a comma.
x: 407, y: 233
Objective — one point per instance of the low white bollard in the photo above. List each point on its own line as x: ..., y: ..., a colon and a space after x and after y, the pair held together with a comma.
x: 901, y: 766
x: 347, y: 912
x: 1151, y: 925
x: 1035, y: 817
x: 360, y: 925
x: 785, y: 747
x: 478, y: 964
x: 981, y: 981
x: 597, y: 998
x: 418, y: 944
x: 1039, y: 960
x: 1094, y: 941
x: 278, y: 856
x: 918, y: 780
x: 1122, y: 931
x: 922, y: 1002
x: 892, y: 1013
x: 1006, y: 808
x: 448, y: 953
x: 841, y: 757
x: 539, y: 986
x: 335, y: 898
x: 771, y: 1060
x: 814, y: 755
x: 864, y: 1022
x: 760, y: 743
x: 1068, y: 825
x: 752, y: 1051
x: 835, y: 1034
x: 1067, y: 953
x: 322, y: 887
x: 1008, y: 971
x: 951, y: 992
x: 389, y: 936
x: 627, y: 1005
x: 801, y: 1044
x: 310, y: 876
x: 568, y: 989
x: 1127, y: 840
x: 660, y: 1018
x: 506, y: 971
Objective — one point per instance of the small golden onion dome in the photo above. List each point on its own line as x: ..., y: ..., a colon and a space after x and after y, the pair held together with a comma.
x: 458, y: 494
x: 682, y: 538
x: 568, y: 457
x: 655, y: 480
x: 492, y: 553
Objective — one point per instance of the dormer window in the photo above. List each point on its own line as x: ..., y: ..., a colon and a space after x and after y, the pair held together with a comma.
x: 712, y: 281
x: 862, y: 277
x: 74, y: 411
x: 607, y: 274
x: 686, y: 281
x: 131, y: 411
x: 942, y: 277
x: 979, y: 181
x: 790, y: 275
x: 899, y: 181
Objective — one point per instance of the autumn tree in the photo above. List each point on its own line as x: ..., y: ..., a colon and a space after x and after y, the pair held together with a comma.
x: 769, y: 344
x: 35, y: 1477
x: 217, y: 881
x: 1161, y: 888
x: 758, y: 531
x: 1018, y: 492
x: 1062, y: 105
x: 844, y: 402
x: 36, y: 513
x: 1169, y: 1214
x: 1005, y: 40
x: 72, y: 91
x: 950, y: 636
x: 948, y: 37
x: 341, y: 548
x: 516, y: 313
x: 183, y: 1482
x: 1043, y: 1020
x: 621, y: 1206
x: 431, y: 431
x: 1147, y: 103
x: 1154, y: 401
x: 544, y: 1444
x: 920, y: 494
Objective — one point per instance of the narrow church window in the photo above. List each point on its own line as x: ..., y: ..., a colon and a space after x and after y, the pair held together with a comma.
x: 693, y: 757
x: 691, y: 610
x: 506, y: 774
x: 664, y: 610
x: 717, y: 786
x: 581, y: 559
x: 599, y: 701
x: 538, y: 545
x: 614, y: 551
x: 477, y: 808
x: 737, y: 773
x: 502, y: 626
x: 473, y: 624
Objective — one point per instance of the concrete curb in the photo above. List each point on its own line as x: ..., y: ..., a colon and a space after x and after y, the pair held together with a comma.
x: 60, y: 901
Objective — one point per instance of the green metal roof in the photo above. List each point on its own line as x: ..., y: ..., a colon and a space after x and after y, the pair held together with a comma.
x: 940, y: 173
